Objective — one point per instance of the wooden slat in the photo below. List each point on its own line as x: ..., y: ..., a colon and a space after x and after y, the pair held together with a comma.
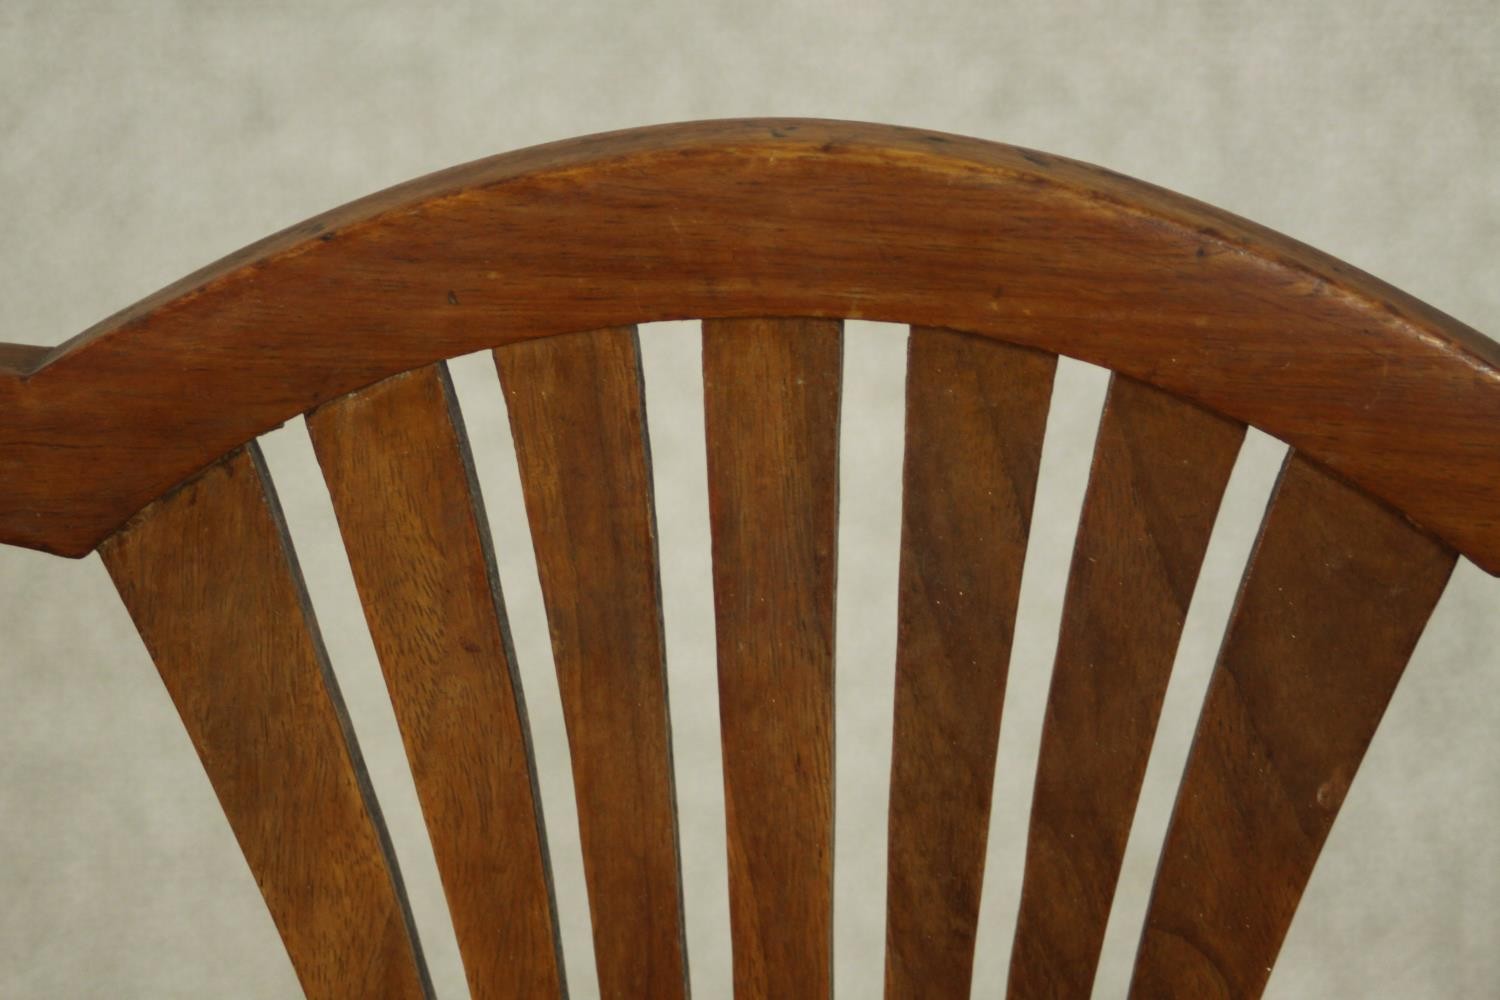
x: 1159, y: 472
x: 397, y: 465
x: 976, y: 412
x: 1333, y: 602
x: 771, y: 401
x: 210, y: 579
x: 577, y: 413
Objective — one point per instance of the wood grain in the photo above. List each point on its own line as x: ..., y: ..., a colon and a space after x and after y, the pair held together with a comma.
x: 1159, y: 471
x: 208, y: 575
x: 1334, y: 599
x: 137, y: 437
x: 757, y: 218
x: 771, y: 392
x: 396, y: 460
x: 976, y: 412
x: 577, y: 413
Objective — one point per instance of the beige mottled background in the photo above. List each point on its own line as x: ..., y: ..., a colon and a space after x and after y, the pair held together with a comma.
x: 139, y: 141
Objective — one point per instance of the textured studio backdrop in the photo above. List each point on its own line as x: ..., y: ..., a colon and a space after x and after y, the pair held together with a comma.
x: 140, y: 141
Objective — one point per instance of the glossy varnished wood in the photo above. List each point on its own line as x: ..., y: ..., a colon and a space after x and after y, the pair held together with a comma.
x: 1334, y: 599
x: 755, y: 218
x: 975, y: 416
x: 577, y: 413
x: 771, y: 404
x: 210, y: 580
x: 136, y: 437
x: 1159, y: 472
x: 396, y: 461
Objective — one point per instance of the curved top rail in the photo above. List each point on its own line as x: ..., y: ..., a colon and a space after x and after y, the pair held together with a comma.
x: 760, y: 217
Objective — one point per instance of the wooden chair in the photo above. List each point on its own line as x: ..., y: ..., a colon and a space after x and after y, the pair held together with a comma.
x: 137, y: 440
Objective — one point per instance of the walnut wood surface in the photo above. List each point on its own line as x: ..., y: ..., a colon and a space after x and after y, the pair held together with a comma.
x: 210, y: 579
x: 755, y: 218
x: 771, y: 393
x: 976, y: 412
x: 396, y: 460
x: 1159, y: 472
x: 1333, y: 602
x: 577, y: 413
x: 137, y: 437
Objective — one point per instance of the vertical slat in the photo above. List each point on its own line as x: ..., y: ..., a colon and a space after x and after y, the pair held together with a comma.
x: 208, y: 575
x: 1333, y: 602
x: 771, y: 408
x: 976, y: 412
x: 577, y: 413
x: 397, y: 465
x: 1159, y: 472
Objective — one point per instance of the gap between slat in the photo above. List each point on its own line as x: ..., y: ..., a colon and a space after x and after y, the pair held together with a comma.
x: 1233, y: 537
x: 1067, y: 450
x: 869, y: 548
x: 314, y: 532
x: 671, y: 358
x: 483, y: 407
